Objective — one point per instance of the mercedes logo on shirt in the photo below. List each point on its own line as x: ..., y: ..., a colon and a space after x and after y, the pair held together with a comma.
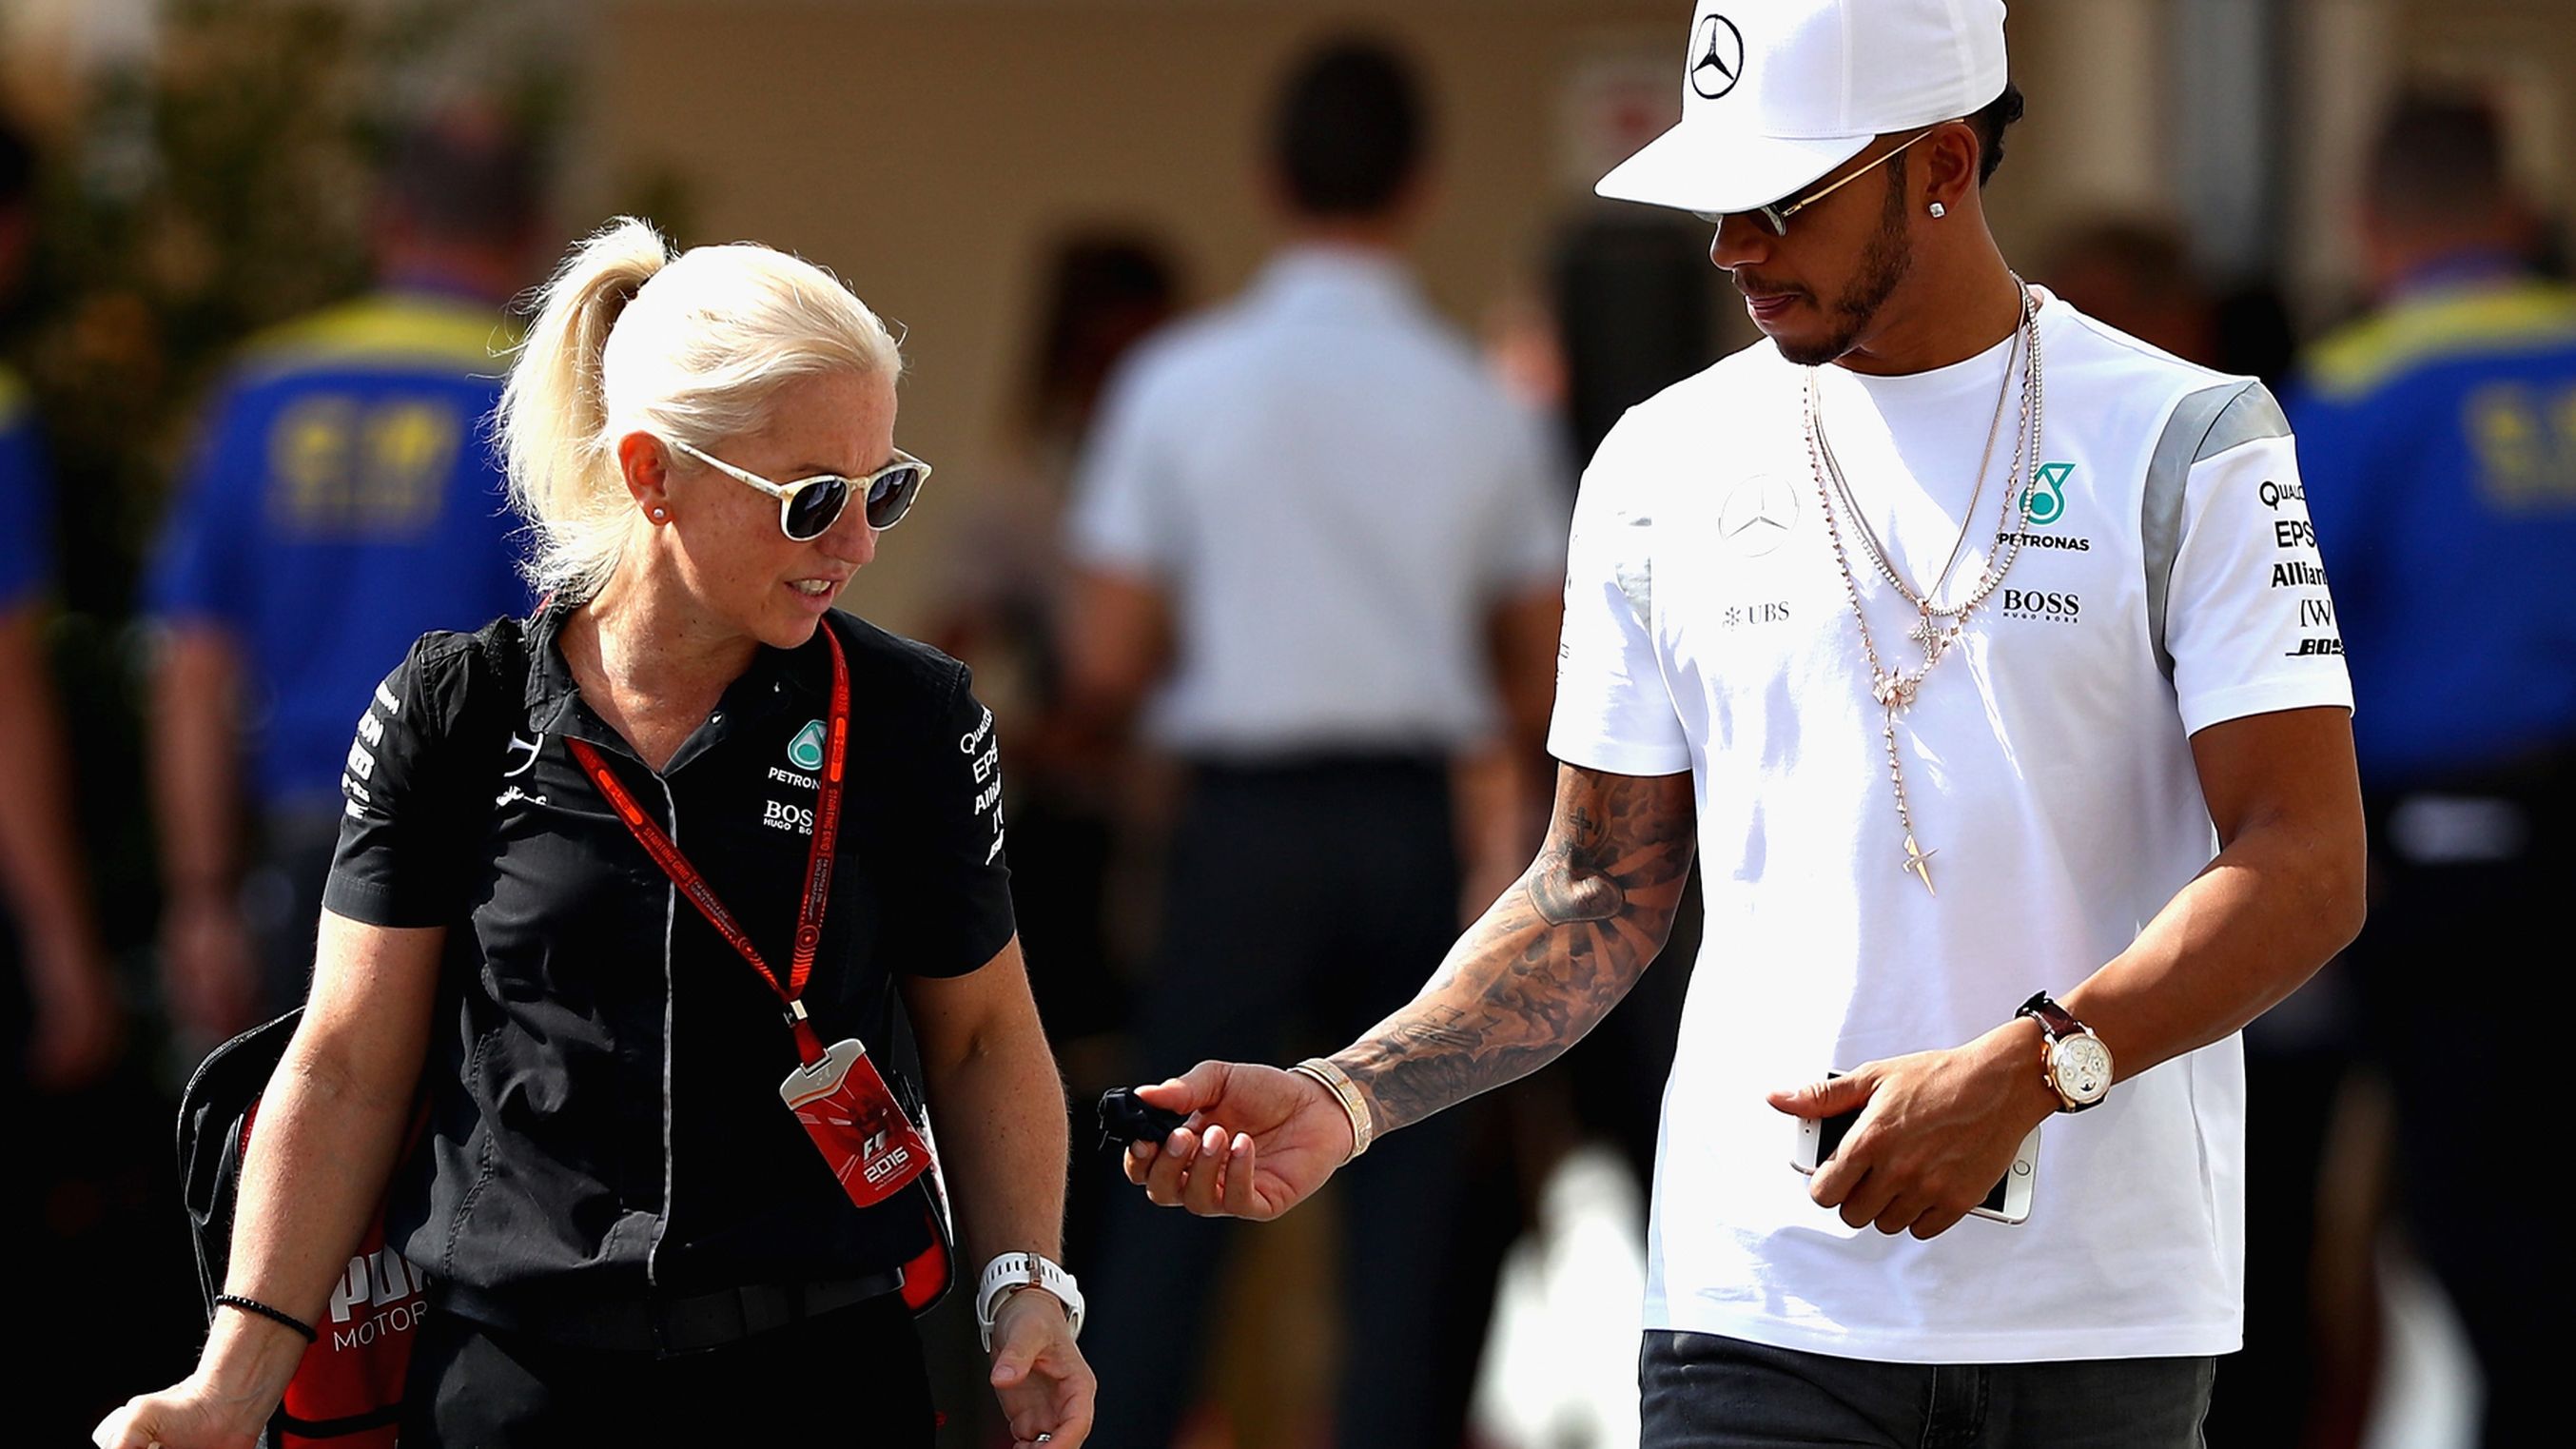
x: 1717, y: 57
x: 1758, y: 514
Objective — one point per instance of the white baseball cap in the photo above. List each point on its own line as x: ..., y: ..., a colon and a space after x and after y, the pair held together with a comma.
x: 1775, y: 93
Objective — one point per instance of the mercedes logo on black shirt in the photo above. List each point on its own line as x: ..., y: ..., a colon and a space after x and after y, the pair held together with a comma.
x: 1717, y: 58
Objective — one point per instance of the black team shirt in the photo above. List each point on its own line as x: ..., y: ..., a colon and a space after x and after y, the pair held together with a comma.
x: 603, y: 1069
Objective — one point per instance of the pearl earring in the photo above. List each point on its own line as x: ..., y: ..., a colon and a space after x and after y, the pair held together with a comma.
x: 661, y: 515
x: 1939, y: 211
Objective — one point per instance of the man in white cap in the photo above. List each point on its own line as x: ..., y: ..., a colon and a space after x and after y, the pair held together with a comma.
x: 1984, y: 655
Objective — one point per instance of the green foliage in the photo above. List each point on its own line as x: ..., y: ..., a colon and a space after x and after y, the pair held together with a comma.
x: 218, y: 188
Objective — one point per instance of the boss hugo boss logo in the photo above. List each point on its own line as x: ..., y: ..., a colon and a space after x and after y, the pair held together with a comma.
x: 2045, y: 605
x: 2275, y: 494
x: 1737, y: 616
x: 782, y: 816
x: 1717, y: 57
x: 1758, y: 513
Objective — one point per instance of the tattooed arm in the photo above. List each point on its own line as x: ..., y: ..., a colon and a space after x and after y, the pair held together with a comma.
x: 1547, y: 961
x: 1540, y: 969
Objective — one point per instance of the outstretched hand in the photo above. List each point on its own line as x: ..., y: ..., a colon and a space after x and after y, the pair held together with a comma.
x: 1258, y: 1142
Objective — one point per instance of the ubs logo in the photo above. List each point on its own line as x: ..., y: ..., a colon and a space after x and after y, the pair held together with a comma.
x: 1717, y: 57
x: 1757, y: 515
x: 1736, y: 616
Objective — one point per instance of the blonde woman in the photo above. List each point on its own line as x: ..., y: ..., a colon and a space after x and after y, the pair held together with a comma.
x: 613, y: 881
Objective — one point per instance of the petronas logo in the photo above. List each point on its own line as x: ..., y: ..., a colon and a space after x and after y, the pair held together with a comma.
x: 805, y: 751
x: 2046, y: 499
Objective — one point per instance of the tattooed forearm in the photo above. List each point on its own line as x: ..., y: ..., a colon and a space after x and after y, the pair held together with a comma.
x: 1567, y: 884
x: 1549, y: 960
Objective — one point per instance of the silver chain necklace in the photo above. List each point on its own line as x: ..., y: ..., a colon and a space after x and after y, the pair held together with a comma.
x: 1926, y: 603
x: 1895, y: 690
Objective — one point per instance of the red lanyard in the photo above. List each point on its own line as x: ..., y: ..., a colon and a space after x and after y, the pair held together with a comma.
x: 818, y: 861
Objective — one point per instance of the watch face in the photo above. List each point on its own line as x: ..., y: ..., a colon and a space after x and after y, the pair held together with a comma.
x: 2083, y: 1068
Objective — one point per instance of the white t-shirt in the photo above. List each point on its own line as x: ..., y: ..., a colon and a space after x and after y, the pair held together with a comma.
x: 2171, y: 583
x: 1335, y: 494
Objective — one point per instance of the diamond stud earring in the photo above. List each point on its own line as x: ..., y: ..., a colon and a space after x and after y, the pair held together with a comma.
x: 1939, y: 211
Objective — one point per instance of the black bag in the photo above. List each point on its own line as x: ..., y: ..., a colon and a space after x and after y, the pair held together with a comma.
x: 347, y: 1392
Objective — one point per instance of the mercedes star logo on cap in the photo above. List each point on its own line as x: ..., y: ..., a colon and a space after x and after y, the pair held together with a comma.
x: 1717, y: 58
x: 1757, y: 515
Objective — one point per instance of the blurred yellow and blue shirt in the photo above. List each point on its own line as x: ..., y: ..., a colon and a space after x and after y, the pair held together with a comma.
x: 344, y: 499
x: 2438, y: 440
x: 26, y: 499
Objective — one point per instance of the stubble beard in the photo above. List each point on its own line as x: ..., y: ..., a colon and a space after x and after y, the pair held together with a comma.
x: 1884, y: 263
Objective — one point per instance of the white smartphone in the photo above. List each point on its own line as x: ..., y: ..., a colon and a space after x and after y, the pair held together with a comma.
x: 2008, y: 1203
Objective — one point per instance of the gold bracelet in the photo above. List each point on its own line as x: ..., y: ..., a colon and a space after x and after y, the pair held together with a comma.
x: 1347, y: 1092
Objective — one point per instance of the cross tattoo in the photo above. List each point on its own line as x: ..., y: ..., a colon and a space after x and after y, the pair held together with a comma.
x: 1918, y: 861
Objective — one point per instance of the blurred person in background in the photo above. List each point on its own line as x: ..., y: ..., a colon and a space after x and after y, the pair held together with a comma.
x: 1104, y: 293
x: 2308, y: 1356
x: 72, y: 1022
x: 2046, y: 885
x: 342, y: 498
x: 89, y: 1213
x: 2137, y: 275
x: 585, y: 898
x: 1320, y: 550
x: 2440, y: 440
x: 1075, y: 848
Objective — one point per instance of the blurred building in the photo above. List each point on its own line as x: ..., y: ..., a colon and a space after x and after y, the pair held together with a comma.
x: 926, y: 149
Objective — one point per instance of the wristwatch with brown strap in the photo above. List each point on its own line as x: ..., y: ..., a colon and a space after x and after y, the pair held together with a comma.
x: 2075, y: 1063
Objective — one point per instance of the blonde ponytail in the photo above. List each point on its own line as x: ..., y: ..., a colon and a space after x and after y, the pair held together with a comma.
x: 692, y: 357
x: 553, y: 417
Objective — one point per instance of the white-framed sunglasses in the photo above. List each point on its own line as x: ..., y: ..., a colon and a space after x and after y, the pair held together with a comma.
x: 1775, y: 217
x: 808, y: 507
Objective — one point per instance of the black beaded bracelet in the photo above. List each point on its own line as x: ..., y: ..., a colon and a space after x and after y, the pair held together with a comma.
x: 273, y: 1315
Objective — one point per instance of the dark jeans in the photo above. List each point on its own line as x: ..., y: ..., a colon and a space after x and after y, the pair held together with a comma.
x: 1304, y: 903
x: 1701, y: 1392
x: 849, y: 1378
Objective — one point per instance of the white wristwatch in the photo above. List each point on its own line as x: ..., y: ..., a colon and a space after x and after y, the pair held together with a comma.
x: 1025, y: 1270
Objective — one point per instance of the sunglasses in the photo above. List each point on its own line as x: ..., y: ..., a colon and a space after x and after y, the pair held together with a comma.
x: 1775, y: 217
x: 808, y: 507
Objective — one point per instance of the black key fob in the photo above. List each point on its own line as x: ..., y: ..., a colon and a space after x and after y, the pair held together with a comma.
x: 1126, y: 1117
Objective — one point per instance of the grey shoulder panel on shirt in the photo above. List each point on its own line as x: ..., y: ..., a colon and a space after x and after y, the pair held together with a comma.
x: 2203, y: 425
